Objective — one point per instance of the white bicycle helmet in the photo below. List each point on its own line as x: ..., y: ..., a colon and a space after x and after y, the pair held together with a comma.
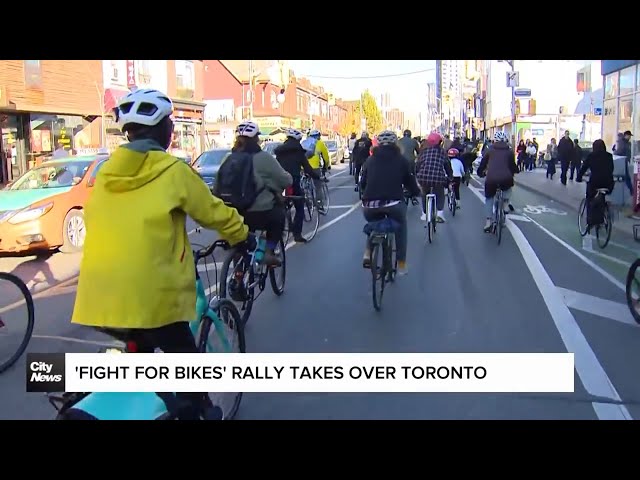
x: 248, y: 129
x: 387, y: 138
x: 293, y: 133
x: 500, y: 137
x: 144, y: 107
x: 314, y: 133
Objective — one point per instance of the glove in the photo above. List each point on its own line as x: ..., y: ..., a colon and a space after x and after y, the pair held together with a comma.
x: 249, y: 244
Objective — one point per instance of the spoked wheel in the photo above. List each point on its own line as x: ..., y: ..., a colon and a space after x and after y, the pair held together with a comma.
x: 582, y: 217
x: 325, y: 199
x: 236, y: 272
x: 377, y: 275
x: 278, y: 275
x: 311, y: 219
x: 391, y: 252
x: 16, y: 320
x: 633, y: 290
x: 499, y: 224
x: 603, y: 232
x: 288, y: 224
x: 223, y: 335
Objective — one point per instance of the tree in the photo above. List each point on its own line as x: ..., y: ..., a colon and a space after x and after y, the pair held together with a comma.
x: 351, y: 123
x: 371, y: 113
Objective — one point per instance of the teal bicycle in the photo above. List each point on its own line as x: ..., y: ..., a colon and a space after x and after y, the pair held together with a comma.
x: 217, y: 329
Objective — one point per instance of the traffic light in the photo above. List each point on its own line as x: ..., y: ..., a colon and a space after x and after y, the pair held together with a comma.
x: 517, y: 107
x: 532, y: 107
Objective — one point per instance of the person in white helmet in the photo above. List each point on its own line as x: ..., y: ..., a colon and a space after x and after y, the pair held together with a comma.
x: 499, y: 166
x: 137, y: 271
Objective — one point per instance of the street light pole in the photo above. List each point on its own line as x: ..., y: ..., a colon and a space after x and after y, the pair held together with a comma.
x: 514, y: 116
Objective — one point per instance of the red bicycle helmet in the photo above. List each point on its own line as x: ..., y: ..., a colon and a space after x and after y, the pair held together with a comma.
x: 434, y: 139
x: 453, y: 152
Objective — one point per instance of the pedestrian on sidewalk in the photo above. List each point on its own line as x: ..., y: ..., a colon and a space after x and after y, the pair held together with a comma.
x: 551, y: 157
x: 521, y: 152
x: 565, y: 154
x: 531, y: 152
x: 576, y: 159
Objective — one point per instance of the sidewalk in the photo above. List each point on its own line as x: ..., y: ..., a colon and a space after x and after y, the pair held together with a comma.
x: 570, y: 195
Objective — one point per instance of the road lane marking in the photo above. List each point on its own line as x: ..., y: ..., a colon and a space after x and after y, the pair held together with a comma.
x: 597, y: 306
x: 79, y: 340
x: 518, y: 218
x: 592, y: 375
x: 341, y: 206
x: 209, y: 266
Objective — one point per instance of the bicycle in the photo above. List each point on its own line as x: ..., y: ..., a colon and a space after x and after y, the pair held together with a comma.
x: 324, y: 201
x: 242, y: 272
x: 217, y: 328
x: 499, y: 217
x: 451, y: 200
x: 309, y: 189
x: 583, y: 220
x: 5, y: 331
x: 431, y: 215
x: 632, y: 291
x: 408, y: 198
x: 382, y: 242
x: 309, y: 210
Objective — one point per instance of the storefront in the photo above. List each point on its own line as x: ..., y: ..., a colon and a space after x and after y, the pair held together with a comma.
x: 188, y: 132
x: 621, y: 106
x: 270, y: 124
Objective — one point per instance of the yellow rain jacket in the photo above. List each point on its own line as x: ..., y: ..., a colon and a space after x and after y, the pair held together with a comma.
x: 137, y: 270
x: 321, y: 149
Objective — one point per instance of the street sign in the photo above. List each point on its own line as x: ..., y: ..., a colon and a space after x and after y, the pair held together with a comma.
x: 597, y: 111
x: 513, y: 79
x: 522, y: 92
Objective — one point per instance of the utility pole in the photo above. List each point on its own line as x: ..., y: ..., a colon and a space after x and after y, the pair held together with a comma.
x: 251, y: 89
x: 514, y: 117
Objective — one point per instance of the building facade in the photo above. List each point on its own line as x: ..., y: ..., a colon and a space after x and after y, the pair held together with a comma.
x: 46, y: 105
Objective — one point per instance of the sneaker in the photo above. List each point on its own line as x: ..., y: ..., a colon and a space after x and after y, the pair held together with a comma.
x: 487, y: 225
x: 402, y: 268
x: 366, y: 259
x: 299, y: 239
x: 440, y: 219
x: 423, y: 217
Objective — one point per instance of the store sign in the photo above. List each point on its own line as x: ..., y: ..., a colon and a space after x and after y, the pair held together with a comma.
x: 273, y: 122
x: 131, y: 73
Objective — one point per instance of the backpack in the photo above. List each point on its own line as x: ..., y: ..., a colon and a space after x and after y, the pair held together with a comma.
x: 236, y: 184
x: 309, y: 144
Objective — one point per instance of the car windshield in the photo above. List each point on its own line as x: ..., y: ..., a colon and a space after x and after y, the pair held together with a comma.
x: 53, y: 175
x: 331, y: 145
x: 211, y: 158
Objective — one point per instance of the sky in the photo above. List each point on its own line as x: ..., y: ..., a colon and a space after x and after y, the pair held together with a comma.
x: 407, y: 91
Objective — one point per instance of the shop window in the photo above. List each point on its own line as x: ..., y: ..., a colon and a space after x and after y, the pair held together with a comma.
x: 611, y: 85
x: 185, y: 77
x: 609, y: 123
x: 635, y: 140
x: 144, y: 72
x: 627, y: 80
x: 33, y: 74
x: 625, y: 113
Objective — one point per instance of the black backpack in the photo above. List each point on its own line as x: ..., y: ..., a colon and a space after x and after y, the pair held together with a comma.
x: 236, y: 184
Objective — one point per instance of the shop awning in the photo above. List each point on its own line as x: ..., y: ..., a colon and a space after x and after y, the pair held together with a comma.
x: 111, y: 97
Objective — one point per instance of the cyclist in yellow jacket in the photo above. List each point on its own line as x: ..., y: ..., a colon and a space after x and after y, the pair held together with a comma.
x: 320, y: 162
x: 137, y: 272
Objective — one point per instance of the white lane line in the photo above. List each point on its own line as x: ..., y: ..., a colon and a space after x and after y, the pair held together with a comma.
x: 518, y: 218
x: 340, y: 206
x: 79, y: 340
x: 587, y: 246
x: 595, y: 380
x: 209, y: 266
x: 597, y: 306
x: 352, y: 187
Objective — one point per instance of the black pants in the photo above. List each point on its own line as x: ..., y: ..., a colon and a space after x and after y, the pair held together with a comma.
x: 298, y: 218
x: 356, y: 171
x: 172, y: 338
x: 456, y: 186
x: 270, y: 220
x: 438, y: 190
x: 572, y: 169
x: 564, y: 168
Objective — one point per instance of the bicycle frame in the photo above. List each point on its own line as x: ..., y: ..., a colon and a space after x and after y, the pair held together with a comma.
x: 145, y: 405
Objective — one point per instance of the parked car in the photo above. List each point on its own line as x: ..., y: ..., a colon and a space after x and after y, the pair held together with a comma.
x: 42, y: 209
x: 271, y: 147
x: 336, y: 151
x: 346, y: 154
x: 208, y: 163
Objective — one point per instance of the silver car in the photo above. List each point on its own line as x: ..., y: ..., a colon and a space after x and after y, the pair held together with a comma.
x: 336, y: 151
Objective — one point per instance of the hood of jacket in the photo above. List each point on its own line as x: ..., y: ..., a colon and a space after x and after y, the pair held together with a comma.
x: 135, y: 164
x: 290, y: 145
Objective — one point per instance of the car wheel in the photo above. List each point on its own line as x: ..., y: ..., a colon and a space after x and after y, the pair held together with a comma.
x: 73, y: 232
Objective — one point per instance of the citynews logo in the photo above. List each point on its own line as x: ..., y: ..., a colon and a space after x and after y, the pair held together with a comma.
x: 45, y: 372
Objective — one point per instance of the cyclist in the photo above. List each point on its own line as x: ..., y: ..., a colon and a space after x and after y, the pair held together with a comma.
x: 385, y: 175
x: 320, y: 152
x: 352, y: 144
x: 499, y: 166
x: 291, y: 156
x: 458, y: 171
x: 409, y: 147
x: 267, y: 210
x: 137, y: 271
x: 360, y: 154
x: 433, y: 170
x: 600, y: 162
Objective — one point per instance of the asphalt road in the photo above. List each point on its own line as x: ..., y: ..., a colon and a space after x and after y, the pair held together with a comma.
x: 542, y: 290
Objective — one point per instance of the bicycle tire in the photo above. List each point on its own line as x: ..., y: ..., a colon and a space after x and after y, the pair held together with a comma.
x: 288, y: 222
x: 376, y: 274
x: 392, y: 260
x: 247, y: 305
x: 225, y: 305
x: 607, y: 226
x: 434, y: 215
x: 582, y: 209
x: 454, y: 205
x: 310, y: 208
x: 326, y: 202
x: 429, y: 220
x: 279, y: 289
x: 28, y: 298
x: 631, y: 274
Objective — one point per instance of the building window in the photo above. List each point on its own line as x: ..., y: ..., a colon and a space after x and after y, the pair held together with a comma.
x: 627, y: 80
x: 609, y: 123
x: 635, y: 140
x: 625, y: 113
x: 611, y: 86
x: 144, y: 72
x: 33, y: 74
x: 115, y: 73
x: 186, y: 84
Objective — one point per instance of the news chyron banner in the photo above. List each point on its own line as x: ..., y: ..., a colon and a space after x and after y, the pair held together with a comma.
x: 302, y: 372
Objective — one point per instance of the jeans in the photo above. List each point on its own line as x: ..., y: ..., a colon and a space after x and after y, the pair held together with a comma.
x: 397, y: 212
x: 272, y: 221
x: 488, y: 203
x: 298, y: 218
x: 439, y: 192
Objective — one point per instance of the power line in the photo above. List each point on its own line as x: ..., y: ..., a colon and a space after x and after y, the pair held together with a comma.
x: 369, y: 77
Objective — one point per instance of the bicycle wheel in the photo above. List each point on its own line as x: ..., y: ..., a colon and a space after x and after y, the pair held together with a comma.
x: 16, y: 328
x: 235, y: 267
x: 429, y: 220
x: 288, y: 222
x: 603, y: 232
x: 377, y: 275
x: 228, y: 339
x: 434, y: 215
x: 391, y: 258
x: 454, y: 204
x: 326, y: 201
x: 311, y: 219
x: 633, y: 291
x: 278, y: 287
x: 499, y: 217
x: 582, y: 217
